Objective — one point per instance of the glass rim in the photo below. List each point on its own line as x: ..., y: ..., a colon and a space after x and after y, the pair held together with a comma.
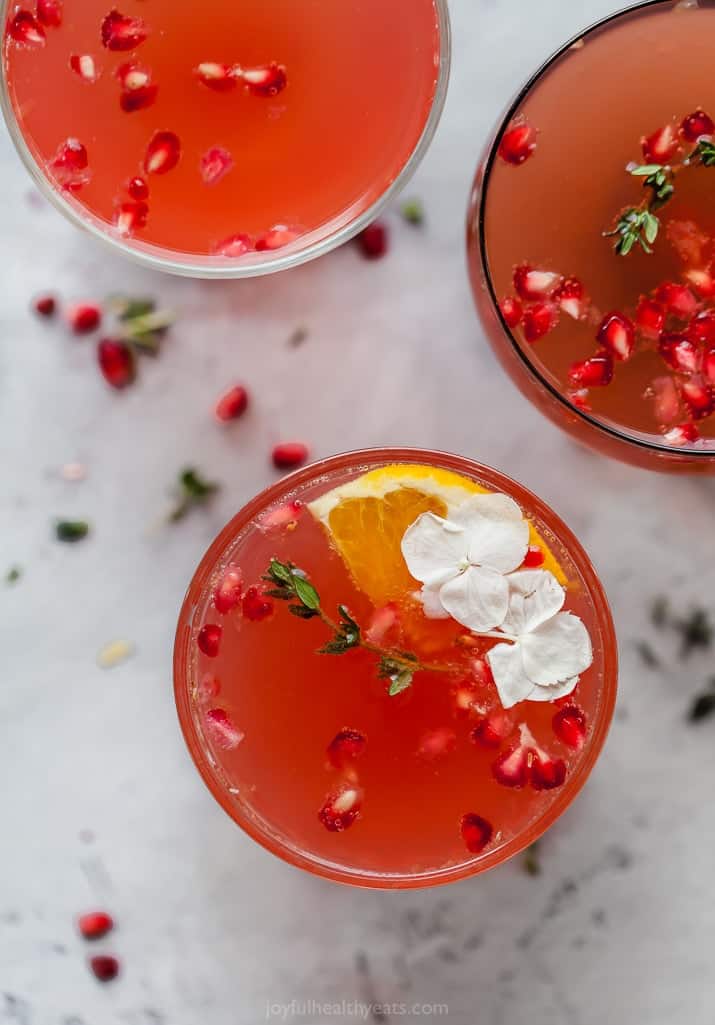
x: 612, y: 431
x: 241, y: 268
x: 280, y: 846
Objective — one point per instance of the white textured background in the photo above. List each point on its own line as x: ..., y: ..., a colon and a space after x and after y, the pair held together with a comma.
x: 619, y: 928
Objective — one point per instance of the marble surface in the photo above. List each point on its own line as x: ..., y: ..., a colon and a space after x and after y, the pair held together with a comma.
x: 100, y: 804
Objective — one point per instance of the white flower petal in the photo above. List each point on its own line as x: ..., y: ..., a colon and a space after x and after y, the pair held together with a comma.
x: 478, y: 598
x: 498, y: 532
x: 535, y: 596
x: 557, y: 650
x: 506, y: 664
x: 432, y: 603
x: 433, y: 546
x: 561, y: 690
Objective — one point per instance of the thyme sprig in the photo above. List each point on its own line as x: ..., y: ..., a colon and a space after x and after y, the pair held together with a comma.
x: 290, y: 584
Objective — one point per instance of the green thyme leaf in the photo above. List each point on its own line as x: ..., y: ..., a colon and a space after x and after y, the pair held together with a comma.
x: 532, y: 860
x: 645, y: 170
x: 338, y: 646
x: 281, y: 573
x: 192, y: 490
x: 706, y: 152
x: 703, y: 706
x: 71, y: 531
x: 306, y: 592
x: 400, y: 683
x: 413, y: 212
x: 652, y: 224
x: 302, y: 612
x: 13, y: 575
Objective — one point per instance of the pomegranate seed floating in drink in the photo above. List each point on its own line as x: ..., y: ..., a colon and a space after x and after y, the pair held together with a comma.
x: 370, y: 726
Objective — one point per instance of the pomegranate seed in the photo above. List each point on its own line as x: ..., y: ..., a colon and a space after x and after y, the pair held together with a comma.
x: 698, y: 396
x: 209, y: 688
x: 116, y: 361
x: 688, y: 241
x: 512, y: 311
x: 381, y: 622
x: 617, y: 335
x: 84, y: 317
x: 45, y: 305
x: 650, y: 318
x: 95, y: 925
x: 539, y: 320
x: 512, y: 768
x: 232, y: 405
x: 546, y: 773
x: 580, y: 398
x: 49, y: 12
x: 256, y: 606
x: 289, y: 455
x: 346, y: 747
x: 229, y: 591
x: 130, y: 217
x: 138, y: 189
x: 216, y: 76
x: 277, y: 237
x: 104, y: 967
x: 681, y: 435
x: 138, y: 99
x: 436, y: 744
x: 680, y: 353
x: 163, y: 153
x: 702, y: 281
x: 215, y: 165
x: 571, y: 298
x: 570, y: 726
x: 709, y: 367
x: 209, y: 639
x: 466, y: 700
x: 666, y: 401
x: 341, y: 808
x: 84, y: 66
x: 482, y: 673
x: 122, y: 32
x: 71, y: 155
x: 222, y: 730
x: 26, y: 29
x: 283, y: 517
x: 492, y: 731
x: 476, y: 832
x: 677, y: 299
x: 596, y: 372
x: 696, y: 125
x: 374, y: 241
x: 533, y: 285
x: 702, y: 328
x: 534, y: 557
x: 518, y: 143
x: 659, y: 147
x: 267, y: 81
x: 234, y: 246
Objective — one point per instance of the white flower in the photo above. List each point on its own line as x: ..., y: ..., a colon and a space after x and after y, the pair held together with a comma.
x: 462, y: 561
x: 549, y: 648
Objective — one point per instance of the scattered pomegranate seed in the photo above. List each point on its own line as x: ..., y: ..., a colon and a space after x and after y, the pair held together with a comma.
x: 84, y: 317
x: 234, y: 246
x: 216, y: 76
x: 222, y: 730
x: 661, y: 146
x: 702, y: 328
x: 481, y: 672
x: 680, y: 353
x: 209, y: 639
x: 229, y: 591
x: 26, y: 29
x: 436, y: 744
x: 232, y: 404
x: 698, y: 396
x: 696, y: 125
x: 533, y: 285
x: 116, y: 361
x: 534, y: 557
x: 688, y: 240
x: 276, y: 238
x: 95, y: 925
x: 374, y: 240
x: 546, y: 773
x: 215, y: 164
x: 493, y: 730
x: 209, y: 688
x: 138, y: 189
x: 539, y: 320
x: 570, y: 726
x: 138, y: 98
x: 283, y: 517
x: 570, y: 297
x: 163, y: 153
x: 702, y: 281
x: 511, y: 769
x: 267, y: 81
x: 341, y: 808
x: 345, y: 747
x: 122, y: 32
x: 650, y: 318
x: 130, y: 217
x: 49, y: 12
x: 104, y: 967
x: 666, y: 408
x: 681, y: 435
x: 580, y: 398
x: 677, y: 299
x: 596, y: 372
x: 71, y: 155
x: 617, y: 335
x: 84, y: 66
x: 45, y: 305
x: 476, y: 832
x: 289, y: 455
x: 466, y: 699
x: 709, y: 367
x: 512, y: 311
x: 256, y: 606
x: 382, y: 621
x: 518, y: 143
